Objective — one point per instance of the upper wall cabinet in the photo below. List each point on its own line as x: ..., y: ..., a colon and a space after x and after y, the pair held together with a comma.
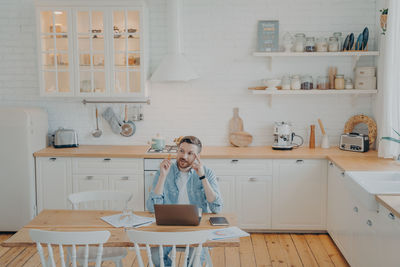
x: 91, y: 51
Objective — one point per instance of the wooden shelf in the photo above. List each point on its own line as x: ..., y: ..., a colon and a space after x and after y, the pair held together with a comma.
x: 314, y: 92
x: 316, y: 54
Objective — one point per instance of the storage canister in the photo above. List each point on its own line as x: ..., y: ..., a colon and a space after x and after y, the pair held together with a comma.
x: 365, y: 71
x: 339, y: 38
x: 339, y: 81
x: 323, y: 82
x: 365, y: 82
x: 348, y: 84
x: 295, y: 82
x: 321, y: 45
x: 299, y: 43
x: 310, y: 44
x: 333, y: 45
x: 306, y: 82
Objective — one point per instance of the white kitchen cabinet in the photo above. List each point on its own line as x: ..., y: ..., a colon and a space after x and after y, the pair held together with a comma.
x: 89, y: 50
x: 299, y: 194
x: 254, y: 201
x: 388, y: 232
x: 130, y: 183
x: 227, y: 187
x: 53, y: 183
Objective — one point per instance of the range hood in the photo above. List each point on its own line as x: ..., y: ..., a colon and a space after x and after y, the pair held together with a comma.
x: 174, y: 67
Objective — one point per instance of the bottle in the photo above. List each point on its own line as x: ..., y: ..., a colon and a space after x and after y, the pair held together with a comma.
x: 339, y: 81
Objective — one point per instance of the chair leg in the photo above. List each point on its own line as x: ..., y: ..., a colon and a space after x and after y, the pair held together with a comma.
x: 118, y: 263
x: 208, y: 257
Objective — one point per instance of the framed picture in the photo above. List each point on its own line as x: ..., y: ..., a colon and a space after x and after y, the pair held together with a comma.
x: 268, y: 35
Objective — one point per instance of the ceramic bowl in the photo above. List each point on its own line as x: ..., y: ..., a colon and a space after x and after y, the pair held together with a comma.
x: 272, y: 83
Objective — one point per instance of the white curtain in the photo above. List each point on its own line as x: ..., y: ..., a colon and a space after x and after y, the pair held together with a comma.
x: 388, y: 101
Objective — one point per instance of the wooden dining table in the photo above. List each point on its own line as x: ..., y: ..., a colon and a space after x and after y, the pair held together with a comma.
x: 90, y: 220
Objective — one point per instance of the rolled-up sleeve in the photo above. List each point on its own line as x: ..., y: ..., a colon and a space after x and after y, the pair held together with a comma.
x: 153, y: 197
x: 216, y: 205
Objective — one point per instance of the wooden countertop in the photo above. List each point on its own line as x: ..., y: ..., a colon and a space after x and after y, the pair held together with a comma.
x: 348, y: 161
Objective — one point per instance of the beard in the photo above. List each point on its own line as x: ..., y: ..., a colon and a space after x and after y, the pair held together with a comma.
x: 183, y: 164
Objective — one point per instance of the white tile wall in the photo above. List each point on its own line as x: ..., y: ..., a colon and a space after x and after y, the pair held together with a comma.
x: 219, y: 38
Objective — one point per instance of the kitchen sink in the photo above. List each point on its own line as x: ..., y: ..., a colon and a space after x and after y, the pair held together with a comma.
x: 365, y: 185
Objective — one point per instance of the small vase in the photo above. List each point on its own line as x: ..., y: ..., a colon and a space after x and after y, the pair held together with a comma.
x: 383, y: 23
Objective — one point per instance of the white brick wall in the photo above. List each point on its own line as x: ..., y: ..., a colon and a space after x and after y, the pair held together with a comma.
x: 219, y: 38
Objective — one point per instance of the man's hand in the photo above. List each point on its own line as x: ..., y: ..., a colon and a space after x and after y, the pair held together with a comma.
x: 198, y: 166
x: 165, y: 167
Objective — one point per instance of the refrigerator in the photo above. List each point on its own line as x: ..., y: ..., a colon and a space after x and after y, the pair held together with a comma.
x: 23, y: 131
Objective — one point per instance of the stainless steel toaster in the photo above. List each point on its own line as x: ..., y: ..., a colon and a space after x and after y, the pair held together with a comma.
x: 354, y: 142
x: 65, y: 138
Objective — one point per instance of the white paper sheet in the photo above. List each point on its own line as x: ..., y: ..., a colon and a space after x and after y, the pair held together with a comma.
x: 224, y: 233
x: 133, y: 220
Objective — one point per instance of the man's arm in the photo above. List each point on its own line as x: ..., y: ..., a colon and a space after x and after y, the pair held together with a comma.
x: 157, y: 193
x: 213, y: 197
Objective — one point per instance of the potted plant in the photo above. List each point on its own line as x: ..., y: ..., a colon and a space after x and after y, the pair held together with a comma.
x: 394, y: 140
x: 384, y: 13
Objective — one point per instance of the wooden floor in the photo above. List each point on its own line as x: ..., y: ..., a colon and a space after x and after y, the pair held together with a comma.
x: 289, y: 250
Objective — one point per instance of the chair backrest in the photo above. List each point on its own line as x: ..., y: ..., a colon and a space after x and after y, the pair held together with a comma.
x: 172, y: 239
x: 82, y: 198
x: 68, y: 238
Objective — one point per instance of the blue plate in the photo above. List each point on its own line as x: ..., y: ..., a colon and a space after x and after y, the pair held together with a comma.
x: 351, y: 41
x: 365, y: 38
x: 346, y: 43
x: 359, y: 43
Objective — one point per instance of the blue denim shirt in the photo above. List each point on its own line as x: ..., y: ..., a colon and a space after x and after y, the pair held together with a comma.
x: 195, y: 190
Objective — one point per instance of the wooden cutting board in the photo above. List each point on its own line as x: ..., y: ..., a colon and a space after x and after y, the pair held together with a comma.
x: 240, y: 138
x: 236, y: 123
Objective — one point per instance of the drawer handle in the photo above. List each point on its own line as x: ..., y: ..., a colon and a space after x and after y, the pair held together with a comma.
x: 234, y: 161
x: 299, y: 161
x: 89, y: 177
x: 52, y: 159
x: 391, y: 216
x: 331, y: 163
x: 252, y: 179
x: 107, y: 159
x: 125, y: 178
x: 355, y: 209
x: 369, y: 222
x: 342, y: 173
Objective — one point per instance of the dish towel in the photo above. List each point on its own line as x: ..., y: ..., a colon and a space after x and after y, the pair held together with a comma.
x: 112, y: 119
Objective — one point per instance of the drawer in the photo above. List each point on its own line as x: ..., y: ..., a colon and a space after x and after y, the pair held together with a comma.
x: 106, y: 165
x: 239, y: 166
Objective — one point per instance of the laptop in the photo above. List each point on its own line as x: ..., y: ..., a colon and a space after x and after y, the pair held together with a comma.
x: 177, y: 214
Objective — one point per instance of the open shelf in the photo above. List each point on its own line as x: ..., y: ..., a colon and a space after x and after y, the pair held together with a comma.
x: 314, y: 92
x: 316, y: 54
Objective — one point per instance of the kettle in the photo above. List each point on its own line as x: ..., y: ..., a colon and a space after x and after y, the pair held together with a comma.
x: 157, y: 142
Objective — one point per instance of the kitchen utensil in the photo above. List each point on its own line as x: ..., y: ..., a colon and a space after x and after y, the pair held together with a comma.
x: 283, y: 137
x: 325, y: 140
x: 236, y: 123
x: 65, y: 138
x: 240, y: 139
x: 97, y: 132
x: 312, y: 136
x: 128, y: 128
x: 365, y: 38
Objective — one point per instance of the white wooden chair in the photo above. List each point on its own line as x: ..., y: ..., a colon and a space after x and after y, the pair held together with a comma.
x: 70, y: 239
x: 171, y: 239
x: 83, y: 198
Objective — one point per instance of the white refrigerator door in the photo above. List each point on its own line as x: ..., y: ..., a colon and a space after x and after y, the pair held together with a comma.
x: 22, y: 132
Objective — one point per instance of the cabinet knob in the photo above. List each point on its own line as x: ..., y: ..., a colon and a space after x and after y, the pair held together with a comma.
x: 252, y: 179
x: 391, y: 216
x: 369, y: 222
x: 299, y: 161
x: 355, y: 209
x: 124, y: 177
x: 52, y: 159
x: 89, y: 177
x: 107, y: 159
x: 331, y: 163
x: 342, y: 173
x: 234, y: 161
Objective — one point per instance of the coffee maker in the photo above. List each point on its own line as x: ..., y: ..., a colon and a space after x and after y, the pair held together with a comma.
x: 283, y: 137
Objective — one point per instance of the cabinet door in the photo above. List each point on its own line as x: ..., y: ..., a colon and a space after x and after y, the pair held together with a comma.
x: 90, y: 55
x: 227, y: 188
x: 299, y: 194
x: 55, y: 48
x: 91, y: 183
x: 129, y: 183
x: 127, y: 56
x: 54, y: 183
x: 388, y: 230
x: 254, y: 198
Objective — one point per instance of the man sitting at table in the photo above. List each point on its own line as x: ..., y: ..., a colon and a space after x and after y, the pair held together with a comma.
x: 186, y: 181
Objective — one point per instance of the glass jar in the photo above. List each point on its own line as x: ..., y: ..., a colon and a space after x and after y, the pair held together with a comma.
x: 321, y: 45
x: 295, y: 82
x: 310, y: 44
x: 306, y: 82
x: 333, y: 45
x: 299, y: 43
x: 339, y: 38
x: 323, y: 82
x: 286, y: 82
x: 339, y: 81
x: 348, y: 84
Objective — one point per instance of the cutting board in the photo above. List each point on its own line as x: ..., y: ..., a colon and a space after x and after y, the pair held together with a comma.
x: 236, y: 123
x: 240, y: 138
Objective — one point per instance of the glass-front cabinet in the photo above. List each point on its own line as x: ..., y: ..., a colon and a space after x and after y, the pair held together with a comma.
x: 91, y: 51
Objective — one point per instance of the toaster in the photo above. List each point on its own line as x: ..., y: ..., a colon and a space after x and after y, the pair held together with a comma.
x: 65, y: 138
x: 354, y: 142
